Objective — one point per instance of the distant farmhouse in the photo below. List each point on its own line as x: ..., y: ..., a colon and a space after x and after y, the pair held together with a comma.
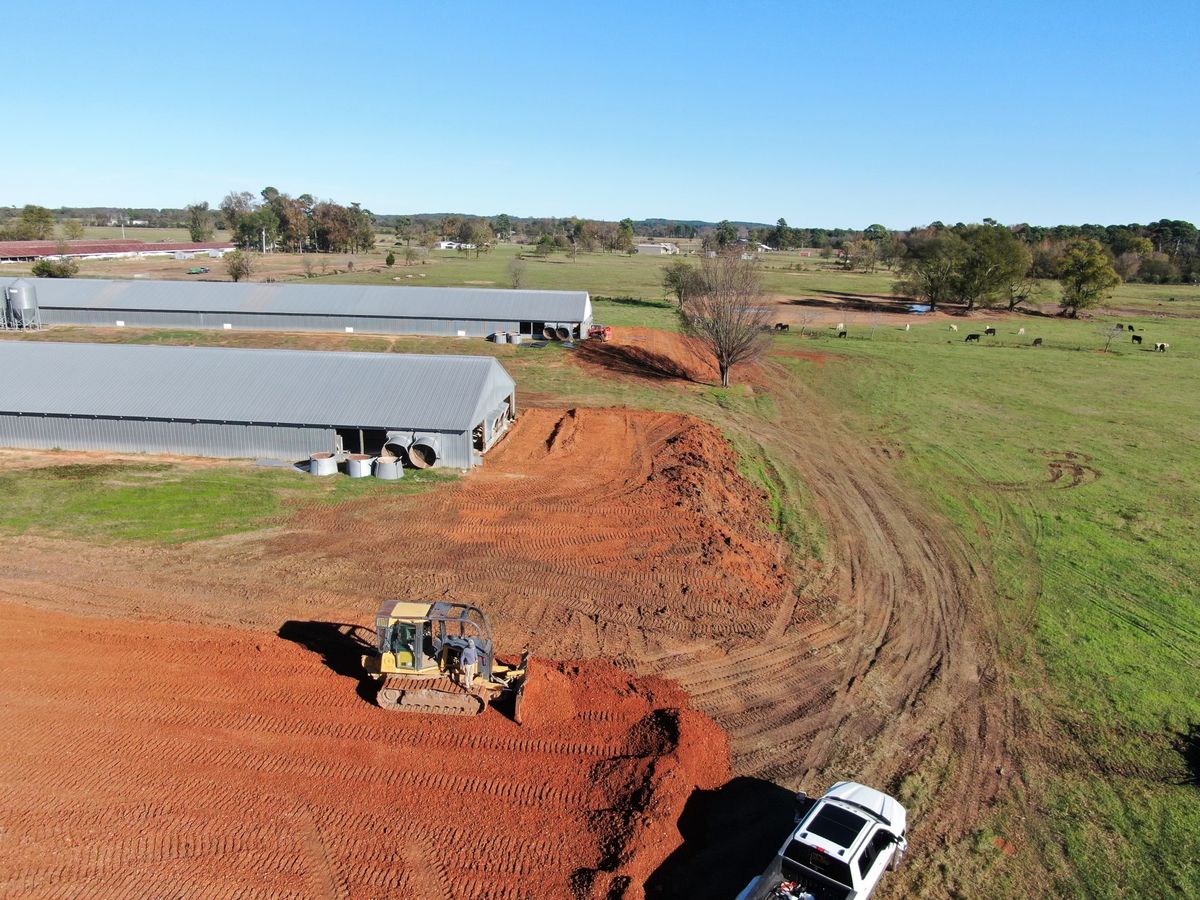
x: 32, y: 251
x: 663, y: 249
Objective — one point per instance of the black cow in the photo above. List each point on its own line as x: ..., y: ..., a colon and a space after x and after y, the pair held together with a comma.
x: 841, y: 334
x: 782, y: 326
x: 991, y: 331
x: 1037, y: 342
x: 1130, y: 327
x: 1137, y: 338
x: 972, y: 337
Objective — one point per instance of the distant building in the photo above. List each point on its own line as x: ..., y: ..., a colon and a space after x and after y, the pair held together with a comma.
x: 453, y: 245
x: 31, y: 251
x: 661, y: 249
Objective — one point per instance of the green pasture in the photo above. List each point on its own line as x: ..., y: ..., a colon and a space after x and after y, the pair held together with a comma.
x: 1094, y: 572
x: 171, y: 503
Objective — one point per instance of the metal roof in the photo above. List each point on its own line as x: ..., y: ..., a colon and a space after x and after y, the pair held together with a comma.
x: 25, y: 249
x: 220, y: 384
x: 314, y: 299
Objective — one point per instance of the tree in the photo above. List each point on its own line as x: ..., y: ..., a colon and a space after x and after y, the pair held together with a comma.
x: 625, y: 236
x: 928, y: 267
x: 36, y: 223
x: 410, y: 255
x: 682, y: 279
x: 726, y: 233
x: 72, y: 229
x: 199, y: 222
x: 239, y: 264
x: 993, y: 258
x: 861, y: 254
x: 1109, y: 332
x: 544, y: 246
x: 502, y: 225
x: 726, y: 314
x: 1086, y: 275
x: 235, y: 206
x: 516, y: 272
x: 55, y: 268
x: 390, y: 259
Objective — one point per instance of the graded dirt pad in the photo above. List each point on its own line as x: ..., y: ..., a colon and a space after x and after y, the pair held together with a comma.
x: 166, y: 760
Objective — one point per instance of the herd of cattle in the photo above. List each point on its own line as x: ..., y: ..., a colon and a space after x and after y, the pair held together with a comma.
x: 976, y: 337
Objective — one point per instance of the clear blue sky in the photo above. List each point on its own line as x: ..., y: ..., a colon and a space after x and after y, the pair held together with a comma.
x: 836, y: 115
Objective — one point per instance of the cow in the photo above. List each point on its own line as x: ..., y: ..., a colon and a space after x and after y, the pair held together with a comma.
x: 1161, y: 347
x: 1020, y: 331
x: 953, y: 327
x: 841, y: 334
x: 1037, y: 342
x: 972, y: 337
x: 841, y: 326
x: 782, y: 326
x: 908, y: 326
x: 1120, y: 327
x: 990, y: 331
x: 1137, y: 338
x: 1130, y: 328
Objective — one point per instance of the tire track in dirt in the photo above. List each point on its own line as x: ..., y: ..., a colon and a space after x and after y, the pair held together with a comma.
x: 180, y: 760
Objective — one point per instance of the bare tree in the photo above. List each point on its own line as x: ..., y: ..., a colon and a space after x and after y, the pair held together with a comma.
x: 726, y: 315
x: 306, y: 263
x: 239, y: 264
x: 516, y: 272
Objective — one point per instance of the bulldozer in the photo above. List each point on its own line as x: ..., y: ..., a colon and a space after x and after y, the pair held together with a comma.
x: 416, y: 660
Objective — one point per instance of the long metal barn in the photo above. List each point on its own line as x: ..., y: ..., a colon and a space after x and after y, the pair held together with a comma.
x: 231, y: 403
x: 385, y: 309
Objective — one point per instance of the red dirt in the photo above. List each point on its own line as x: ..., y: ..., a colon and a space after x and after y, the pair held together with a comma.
x: 177, y: 760
x: 653, y: 353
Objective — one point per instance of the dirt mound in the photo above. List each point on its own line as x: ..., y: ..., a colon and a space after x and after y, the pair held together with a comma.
x: 587, y: 530
x: 217, y: 761
x: 654, y: 353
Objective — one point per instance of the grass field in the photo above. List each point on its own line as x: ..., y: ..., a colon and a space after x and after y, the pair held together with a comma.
x: 170, y: 502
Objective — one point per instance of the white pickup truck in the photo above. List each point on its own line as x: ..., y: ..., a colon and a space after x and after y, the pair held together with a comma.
x: 840, y: 848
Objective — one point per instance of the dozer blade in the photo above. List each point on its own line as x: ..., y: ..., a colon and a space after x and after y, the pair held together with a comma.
x: 440, y: 696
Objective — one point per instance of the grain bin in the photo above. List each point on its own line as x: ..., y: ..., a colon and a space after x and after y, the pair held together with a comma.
x: 21, y: 306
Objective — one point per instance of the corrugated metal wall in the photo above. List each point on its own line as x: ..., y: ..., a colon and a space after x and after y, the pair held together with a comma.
x: 276, y: 322
x: 224, y: 440
x: 218, y: 439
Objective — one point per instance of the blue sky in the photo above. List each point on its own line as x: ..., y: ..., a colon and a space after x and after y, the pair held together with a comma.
x: 835, y: 115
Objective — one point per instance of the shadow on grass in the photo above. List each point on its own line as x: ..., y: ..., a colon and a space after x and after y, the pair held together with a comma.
x: 628, y: 360
x: 729, y: 836
x: 340, y: 646
x: 638, y: 301
x: 1189, y: 749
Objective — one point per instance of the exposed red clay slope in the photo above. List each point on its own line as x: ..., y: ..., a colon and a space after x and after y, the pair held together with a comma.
x: 179, y: 760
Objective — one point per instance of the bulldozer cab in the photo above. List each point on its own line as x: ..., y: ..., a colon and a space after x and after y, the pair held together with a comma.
x: 428, y: 637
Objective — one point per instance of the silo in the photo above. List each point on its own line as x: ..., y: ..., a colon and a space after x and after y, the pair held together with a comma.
x: 22, y: 307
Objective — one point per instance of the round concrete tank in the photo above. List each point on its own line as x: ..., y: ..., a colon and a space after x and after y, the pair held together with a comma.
x: 388, y: 468
x: 563, y: 332
x: 424, y: 451
x: 549, y: 333
x: 322, y: 464
x: 22, y: 303
x: 514, y: 338
x: 358, y: 465
x: 496, y: 337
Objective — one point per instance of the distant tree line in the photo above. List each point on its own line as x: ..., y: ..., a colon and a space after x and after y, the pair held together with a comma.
x: 297, y: 224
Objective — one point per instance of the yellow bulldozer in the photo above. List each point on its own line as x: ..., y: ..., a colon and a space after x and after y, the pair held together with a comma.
x: 417, y: 660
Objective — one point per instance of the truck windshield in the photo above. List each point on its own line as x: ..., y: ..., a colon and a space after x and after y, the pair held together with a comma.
x: 821, y: 863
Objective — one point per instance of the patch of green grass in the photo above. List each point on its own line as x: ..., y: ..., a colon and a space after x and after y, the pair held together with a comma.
x: 1094, y: 558
x: 169, y: 503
